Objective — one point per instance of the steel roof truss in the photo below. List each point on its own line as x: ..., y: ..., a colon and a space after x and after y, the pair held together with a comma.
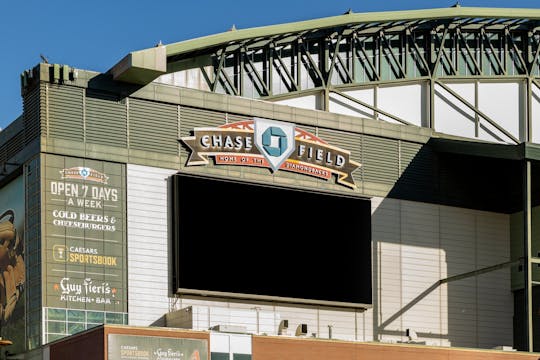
x: 493, y: 55
x: 395, y: 64
x: 374, y: 108
x: 221, y: 76
x: 283, y: 70
x: 442, y: 53
x: 364, y: 58
x: 534, y: 61
x: 311, y: 65
x: 335, y: 56
x: 209, y: 81
x: 416, y: 54
x: 477, y: 111
x: 221, y: 57
x: 516, y: 52
x: 468, y: 54
x: 263, y: 90
x: 348, y: 78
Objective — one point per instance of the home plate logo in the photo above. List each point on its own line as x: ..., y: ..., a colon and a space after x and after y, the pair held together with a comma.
x: 270, y: 144
x: 275, y: 140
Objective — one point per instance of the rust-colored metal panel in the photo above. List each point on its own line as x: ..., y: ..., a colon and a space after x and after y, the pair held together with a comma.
x: 150, y: 331
x: 156, y: 332
x: 92, y: 344
x: 85, y: 346
x: 272, y: 348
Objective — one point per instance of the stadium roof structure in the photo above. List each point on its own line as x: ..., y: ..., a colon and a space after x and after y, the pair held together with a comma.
x: 332, y: 56
x: 455, y: 23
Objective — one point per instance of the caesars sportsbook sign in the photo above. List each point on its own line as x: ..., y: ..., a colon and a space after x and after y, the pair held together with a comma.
x: 272, y: 144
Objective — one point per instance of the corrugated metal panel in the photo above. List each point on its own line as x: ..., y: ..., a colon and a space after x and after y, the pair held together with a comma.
x: 417, y: 169
x: 66, y: 112
x: 380, y: 159
x: 153, y: 126
x: 417, y: 245
x: 148, y: 285
x: 409, y: 160
x: 105, y: 115
x: 346, y: 141
x: 32, y: 114
x: 32, y: 238
x: 191, y: 118
x: 12, y: 146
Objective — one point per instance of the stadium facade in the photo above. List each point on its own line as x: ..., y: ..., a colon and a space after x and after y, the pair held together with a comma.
x: 356, y: 186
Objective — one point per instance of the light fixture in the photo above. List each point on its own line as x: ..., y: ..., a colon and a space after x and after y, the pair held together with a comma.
x: 4, y: 167
x: 301, y: 329
x: 283, y: 327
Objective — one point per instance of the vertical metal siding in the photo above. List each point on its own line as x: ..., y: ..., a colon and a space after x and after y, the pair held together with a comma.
x: 417, y: 245
x: 148, y: 275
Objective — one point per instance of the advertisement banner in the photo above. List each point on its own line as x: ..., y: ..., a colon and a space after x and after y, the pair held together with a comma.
x: 12, y: 263
x: 134, y: 347
x: 85, y: 234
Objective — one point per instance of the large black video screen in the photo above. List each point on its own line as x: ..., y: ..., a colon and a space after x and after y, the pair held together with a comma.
x: 237, y: 239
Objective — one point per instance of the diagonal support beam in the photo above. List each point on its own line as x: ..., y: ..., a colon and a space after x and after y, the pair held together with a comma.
x: 442, y: 52
x: 477, y: 111
x: 485, y: 38
x: 395, y: 62
x: 478, y: 70
x: 365, y: 60
x: 283, y: 69
x: 516, y: 50
x: 254, y: 71
x: 418, y: 53
x: 371, y: 107
x: 333, y: 62
x: 312, y: 63
x: 535, y: 57
x: 337, y: 57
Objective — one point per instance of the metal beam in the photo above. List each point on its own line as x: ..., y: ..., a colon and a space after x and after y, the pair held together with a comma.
x: 477, y: 111
x: 283, y: 68
x: 495, y: 56
x: 517, y: 52
x: 478, y: 70
x: 254, y: 71
x: 395, y: 62
x: 374, y: 108
x: 365, y: 59
x: 527, y: 242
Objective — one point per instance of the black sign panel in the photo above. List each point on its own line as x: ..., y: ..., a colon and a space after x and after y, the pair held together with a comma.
x: 237, y: 239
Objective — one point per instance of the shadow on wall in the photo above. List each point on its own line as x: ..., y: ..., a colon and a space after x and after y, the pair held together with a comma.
x: 447, y: 215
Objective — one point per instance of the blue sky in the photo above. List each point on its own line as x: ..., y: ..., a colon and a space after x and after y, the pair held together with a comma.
x: 94, y: 35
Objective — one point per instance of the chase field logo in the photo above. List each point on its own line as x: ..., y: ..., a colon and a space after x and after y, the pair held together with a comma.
x: 84, y: 173
x: 271, y: 144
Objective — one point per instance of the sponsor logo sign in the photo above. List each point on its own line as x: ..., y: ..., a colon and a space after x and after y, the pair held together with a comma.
x: 84, y: 173
x: 85, y: 235
x: 272, y: 144
x: 138, y: 347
